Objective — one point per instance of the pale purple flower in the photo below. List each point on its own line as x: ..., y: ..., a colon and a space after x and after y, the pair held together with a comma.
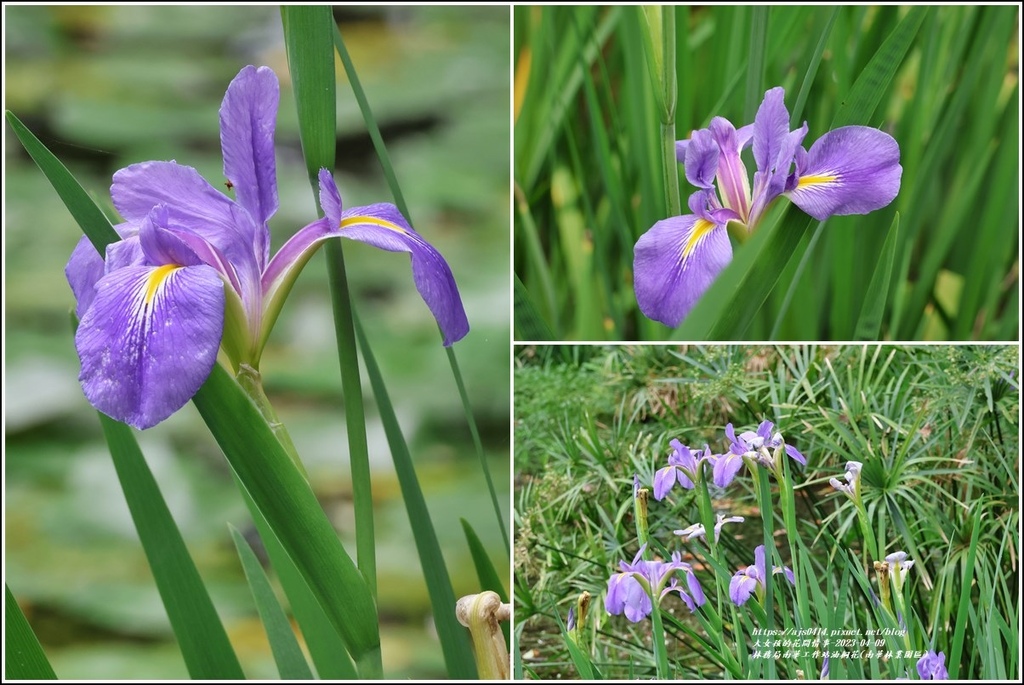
x: 747, y: 581
x: 683, y: 466
x: 697, y: 529
x: 853, y: 469
x: 754, y: 445
x: 851, y: 170
x: 898, y: 567
x: 630, y: 590
x: 192, y: 273
x: 932, y: 666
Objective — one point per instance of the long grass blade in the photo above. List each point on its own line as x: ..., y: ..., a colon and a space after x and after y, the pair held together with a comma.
x: 201, y: 637
x: 89, y: 217
x: 396, y: 192
x: 458, y: 653
x: 326, y: 647
x: 294, y: 514
x: 309, y: 35
x: 869, y: 324
x: 291, y: 664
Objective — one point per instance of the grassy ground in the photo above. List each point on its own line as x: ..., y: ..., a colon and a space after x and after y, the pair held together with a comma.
x: 937, y: 429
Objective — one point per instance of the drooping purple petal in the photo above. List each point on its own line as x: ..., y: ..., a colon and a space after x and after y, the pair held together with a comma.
x: 851, y: 170
x: 741, y: 587
x: 637, y: 606
x: 726, y: 468
x: 248, y: 116
x: 615, y: 597
x: 695, y: 590
x: 674, y: 263
x: 664, y: 479
x: 149, y: 340
x: 384, y: 227
x: 794, y: 454
x: 84, y: 269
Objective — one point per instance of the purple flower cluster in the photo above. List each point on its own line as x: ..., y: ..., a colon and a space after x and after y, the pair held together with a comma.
x: 631, y: 590
x: 684, y: 463
x: 932, y: 666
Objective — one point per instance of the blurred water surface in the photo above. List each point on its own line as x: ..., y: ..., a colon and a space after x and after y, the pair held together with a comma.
x: 105, y: 87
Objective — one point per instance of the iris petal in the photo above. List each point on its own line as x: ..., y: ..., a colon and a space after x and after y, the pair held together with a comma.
x: 674, y: 263
x: 771, y: 124
x: 84, y: 269
x: 701, y: 159
x: 851, y: 170
x: 726, y: 468
x: 193, y: 205
x: 149, y: 340
x: 384, y: 227
x: 248, y: 116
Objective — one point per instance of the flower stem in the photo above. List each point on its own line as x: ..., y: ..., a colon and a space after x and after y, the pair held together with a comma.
x: 658, y: 636
x: 659, y: 32
x: 252, y: 383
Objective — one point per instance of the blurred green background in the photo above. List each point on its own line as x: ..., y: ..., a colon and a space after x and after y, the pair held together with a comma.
x: 104, y: 87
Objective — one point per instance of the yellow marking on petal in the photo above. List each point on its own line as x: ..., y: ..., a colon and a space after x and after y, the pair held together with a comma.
x: 820, y: 179
x: 158, y: 276
x: 352, y: 220
x: 700, y: 229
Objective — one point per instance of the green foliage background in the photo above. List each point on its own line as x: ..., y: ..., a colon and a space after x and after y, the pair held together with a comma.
x: 589, y: 183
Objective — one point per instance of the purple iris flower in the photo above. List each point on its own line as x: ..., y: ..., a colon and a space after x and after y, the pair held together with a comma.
x: 932, y: 666
x: 630, y: 590
x: 851, y: 170
x: 755, y: 445
x: 192, y: 273
x: 751, y: 579
x: 683, y: 466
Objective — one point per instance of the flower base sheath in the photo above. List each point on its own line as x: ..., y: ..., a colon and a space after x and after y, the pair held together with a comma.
x: 192, y: 274
x: 851, y: 170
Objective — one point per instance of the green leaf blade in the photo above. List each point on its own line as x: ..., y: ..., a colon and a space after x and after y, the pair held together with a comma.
x: 89, y: 217
x: 291, y: 664
x: 292, y: 511
x: 455, y: 643
x: 201, y: 636
x: 24, y: 658
x: 869, y: 323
